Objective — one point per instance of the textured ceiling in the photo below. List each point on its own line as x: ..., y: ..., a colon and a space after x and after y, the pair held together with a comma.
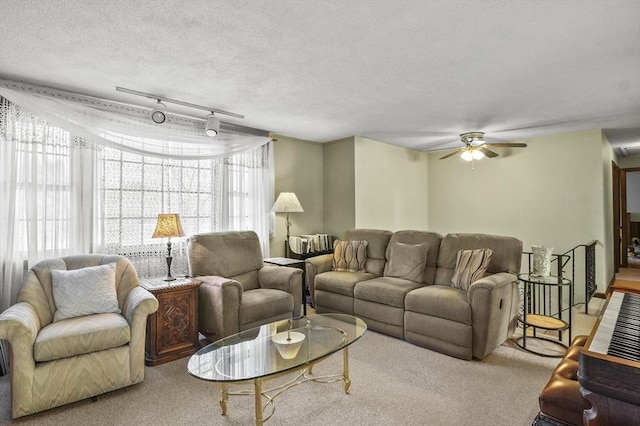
x: 410, y: 73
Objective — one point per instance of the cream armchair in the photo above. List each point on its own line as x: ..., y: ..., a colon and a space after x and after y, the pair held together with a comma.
x: 238, y: 291
x: 56, y: 362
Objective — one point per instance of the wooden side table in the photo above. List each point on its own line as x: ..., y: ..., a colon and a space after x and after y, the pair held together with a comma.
x: 172, y: 331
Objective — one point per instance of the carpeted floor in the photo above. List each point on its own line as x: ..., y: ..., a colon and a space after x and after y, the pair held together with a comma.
x: 393, y: 382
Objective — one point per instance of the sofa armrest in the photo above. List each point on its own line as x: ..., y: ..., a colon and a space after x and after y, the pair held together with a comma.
x: 138, y: 305
x: 219, y: 301
x: 316, y: 266
x: 286, y: 279
x: 492, y: 310
x: 20, y: 325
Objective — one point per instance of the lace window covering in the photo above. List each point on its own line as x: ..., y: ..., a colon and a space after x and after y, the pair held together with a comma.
x: 210, y: 195
x: 64, y: 195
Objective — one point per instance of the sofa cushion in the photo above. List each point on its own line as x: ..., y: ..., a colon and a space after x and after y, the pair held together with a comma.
x: 506, y: 257
x: 84, y: 291
x: 264, y: 303
x: 440, y: 301
x: 77, y: 336
x: 470, y: 267
x: 431, y: 239
x: 407, y: 261
x: 378, y: 240
x: 349, y: 256
x: 340, y: 282
x: 385, y: 290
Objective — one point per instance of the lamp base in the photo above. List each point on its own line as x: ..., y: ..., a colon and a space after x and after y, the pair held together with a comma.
x: 169, y: 259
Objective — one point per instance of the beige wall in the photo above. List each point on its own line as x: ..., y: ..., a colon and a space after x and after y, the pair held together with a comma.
x: 391, y: 190
x: 551, y: 193
x: 298, y: 168
x: 556, y: 192
x: 370, y: 184
x: 339, y: 186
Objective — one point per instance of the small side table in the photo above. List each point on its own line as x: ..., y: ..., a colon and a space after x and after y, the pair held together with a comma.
x: 541, y: 296
x: 172, y: 331
x: 293, y: 263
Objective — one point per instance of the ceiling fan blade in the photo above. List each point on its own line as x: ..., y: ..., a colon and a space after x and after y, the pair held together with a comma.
x: 508, y: 145
x: 488, y: 153
x: 451, y: 154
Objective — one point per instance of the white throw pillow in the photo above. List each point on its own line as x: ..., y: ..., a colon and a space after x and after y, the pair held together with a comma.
x: 85, y: 291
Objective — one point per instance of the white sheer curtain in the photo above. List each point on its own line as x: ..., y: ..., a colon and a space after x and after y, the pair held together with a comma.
x: 53, y: 203
x: 245, y: 186
x: 45, y: 211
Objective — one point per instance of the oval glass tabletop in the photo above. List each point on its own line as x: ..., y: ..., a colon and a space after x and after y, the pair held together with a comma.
x: 276, y: 347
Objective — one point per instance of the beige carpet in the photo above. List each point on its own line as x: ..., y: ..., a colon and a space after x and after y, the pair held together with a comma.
x: 393, y: 382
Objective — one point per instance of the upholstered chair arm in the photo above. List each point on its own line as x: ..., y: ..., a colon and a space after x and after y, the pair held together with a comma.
x: 492, y: 311
x: 19, y: 325
x: 286, y: 279
x: 315, y: 266
x: 219, y: 301
x: 138, y: 305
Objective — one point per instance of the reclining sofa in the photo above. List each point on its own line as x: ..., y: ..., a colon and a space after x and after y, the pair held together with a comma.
x: 403, y: 287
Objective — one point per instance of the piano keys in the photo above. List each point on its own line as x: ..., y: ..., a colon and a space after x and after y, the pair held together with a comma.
x: 618, y: 333
x: 609, y: 363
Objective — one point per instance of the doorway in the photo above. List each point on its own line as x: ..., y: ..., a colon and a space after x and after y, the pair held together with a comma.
x: 626, y: 217
x: 631, y: 226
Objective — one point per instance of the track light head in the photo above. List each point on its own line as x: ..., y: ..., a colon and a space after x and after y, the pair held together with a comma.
x: 213, y: 125
x: 159, y: 113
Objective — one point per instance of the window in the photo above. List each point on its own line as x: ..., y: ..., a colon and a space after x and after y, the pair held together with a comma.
x: 209, y: 195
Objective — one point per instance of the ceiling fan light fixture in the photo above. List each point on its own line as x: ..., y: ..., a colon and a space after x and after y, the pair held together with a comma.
x: 472, y: 154
x: 213, y: 125
x: 159, y: 113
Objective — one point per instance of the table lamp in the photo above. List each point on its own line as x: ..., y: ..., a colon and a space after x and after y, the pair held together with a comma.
x: 287, y: 202
x: 168, y: 226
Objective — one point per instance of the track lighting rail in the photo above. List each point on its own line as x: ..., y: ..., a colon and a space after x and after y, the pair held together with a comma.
x: 177, y: 102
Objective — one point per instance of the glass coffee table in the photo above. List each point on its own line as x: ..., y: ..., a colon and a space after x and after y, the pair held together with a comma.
x: 277, y: 349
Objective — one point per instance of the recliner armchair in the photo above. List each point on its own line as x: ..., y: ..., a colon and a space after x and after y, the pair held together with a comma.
x: 53, y: 363
x: 238, y: 291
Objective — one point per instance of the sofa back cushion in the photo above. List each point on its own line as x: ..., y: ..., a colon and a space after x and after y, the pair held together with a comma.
x: 234, y: 254
x: 506, y: 257
x: 377, y: 241
x: 432, y: 241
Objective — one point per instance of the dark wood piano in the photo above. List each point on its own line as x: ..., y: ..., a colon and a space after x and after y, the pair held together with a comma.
x: 609, y: 363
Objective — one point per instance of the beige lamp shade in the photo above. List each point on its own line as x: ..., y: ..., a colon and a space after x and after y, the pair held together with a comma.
x: 168, y: 226
x: 287, y: 202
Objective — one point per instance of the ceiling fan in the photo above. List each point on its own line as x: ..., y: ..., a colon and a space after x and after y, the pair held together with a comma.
x: 475, y: 147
